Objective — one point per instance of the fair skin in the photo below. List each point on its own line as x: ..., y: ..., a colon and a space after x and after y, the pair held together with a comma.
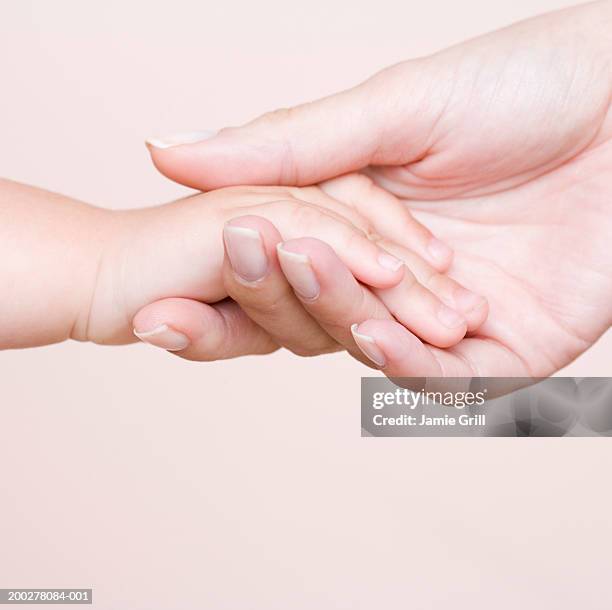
x: 501, y: 146
x: 75, y: 271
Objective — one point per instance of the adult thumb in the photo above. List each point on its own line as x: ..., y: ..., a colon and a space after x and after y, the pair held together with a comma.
x: 302, y: 145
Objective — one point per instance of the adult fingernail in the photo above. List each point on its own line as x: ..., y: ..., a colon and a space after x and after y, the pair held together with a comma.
x: 165, y: 337
x: 449, y: 317
x: 368, y: 346
x: 388, y: 261
x: 189, y: 137
x: 246, y: 252
x: 439, y: 251
x: 299, y: 272
x: 467, y: 300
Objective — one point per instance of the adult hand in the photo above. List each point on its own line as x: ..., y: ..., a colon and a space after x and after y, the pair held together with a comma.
x: 502, y: 146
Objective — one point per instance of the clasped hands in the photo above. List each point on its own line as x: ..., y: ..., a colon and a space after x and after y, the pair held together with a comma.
x: 302, y: 268
x: 450, y: 216
x: 500, y: 147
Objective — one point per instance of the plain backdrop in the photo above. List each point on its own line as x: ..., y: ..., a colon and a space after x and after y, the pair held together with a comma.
x: 245, y: 484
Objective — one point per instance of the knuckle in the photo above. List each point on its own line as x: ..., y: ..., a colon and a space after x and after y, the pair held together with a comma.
x: 278, y: 115
x: 279, y: 121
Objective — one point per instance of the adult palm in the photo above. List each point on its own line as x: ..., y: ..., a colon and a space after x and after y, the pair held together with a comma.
x: 540, y: 252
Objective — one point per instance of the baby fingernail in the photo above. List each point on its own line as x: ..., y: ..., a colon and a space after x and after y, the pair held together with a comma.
x: 439, y: 251
x: 246, y: 252
x: 368, y: 346
x: 165, y: 337
x: 388, y: 261
x: 467, y: 300
x: 299, y: 272
x: 449, y: 317
x: 190, y: 137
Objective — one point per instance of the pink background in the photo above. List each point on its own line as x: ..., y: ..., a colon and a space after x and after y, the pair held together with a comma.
x: 245, y: 484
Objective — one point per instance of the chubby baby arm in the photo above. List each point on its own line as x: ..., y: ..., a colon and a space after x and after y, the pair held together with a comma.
x: 51, y: 247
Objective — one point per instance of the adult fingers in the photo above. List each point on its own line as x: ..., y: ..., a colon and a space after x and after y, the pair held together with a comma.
x: 399, y: 354
x: 336, y: 300
x: 327, y: 289
x: 253, y: 278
